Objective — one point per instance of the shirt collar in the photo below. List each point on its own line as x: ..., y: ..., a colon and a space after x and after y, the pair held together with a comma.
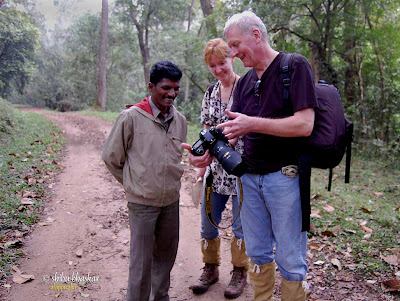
x: 156, y: 111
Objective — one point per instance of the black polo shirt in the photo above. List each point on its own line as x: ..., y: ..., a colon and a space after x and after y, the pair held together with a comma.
x: 266, y: 153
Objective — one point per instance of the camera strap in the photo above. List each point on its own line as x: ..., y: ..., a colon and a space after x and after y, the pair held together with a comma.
x: 207, y: 199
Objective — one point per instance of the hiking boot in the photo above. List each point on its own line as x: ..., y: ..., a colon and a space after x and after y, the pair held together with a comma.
x: 208, y: 277
x: 237, y: 284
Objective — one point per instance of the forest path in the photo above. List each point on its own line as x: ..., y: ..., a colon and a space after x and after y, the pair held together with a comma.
x: 84, y: 230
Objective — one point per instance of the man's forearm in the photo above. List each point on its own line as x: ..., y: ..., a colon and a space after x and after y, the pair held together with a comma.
x: 300, y: 125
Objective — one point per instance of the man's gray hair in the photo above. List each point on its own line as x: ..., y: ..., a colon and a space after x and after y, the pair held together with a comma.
x: 247, y: 21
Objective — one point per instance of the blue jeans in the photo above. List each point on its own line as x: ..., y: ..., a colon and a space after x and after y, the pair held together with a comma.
x: 271, y: 215
x: 218, y: 202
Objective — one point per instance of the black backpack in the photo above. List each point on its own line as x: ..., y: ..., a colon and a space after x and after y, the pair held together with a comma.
x: 332, y: 134
x: 331, y: 137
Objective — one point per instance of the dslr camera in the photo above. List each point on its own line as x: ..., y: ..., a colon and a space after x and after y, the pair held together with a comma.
x: 215, y: 141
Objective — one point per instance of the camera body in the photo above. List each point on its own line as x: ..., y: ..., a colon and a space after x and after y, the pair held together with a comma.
x: 216, y: 142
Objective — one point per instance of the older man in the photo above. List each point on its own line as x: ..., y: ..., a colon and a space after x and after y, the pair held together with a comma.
x: 271, y: 213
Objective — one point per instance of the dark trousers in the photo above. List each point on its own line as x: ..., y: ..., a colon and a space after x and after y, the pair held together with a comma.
x: 154, y: 244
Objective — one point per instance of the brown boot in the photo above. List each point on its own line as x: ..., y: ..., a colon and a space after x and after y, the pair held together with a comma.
x: 237, y: 284
x: 262, y: 279
x: 293, y: 290
x: 208, y: 277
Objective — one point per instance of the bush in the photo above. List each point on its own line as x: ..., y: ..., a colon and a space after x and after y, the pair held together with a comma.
x: 7, y: 118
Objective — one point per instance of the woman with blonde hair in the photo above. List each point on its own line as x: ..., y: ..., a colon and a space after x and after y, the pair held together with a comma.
x: 216, y: 100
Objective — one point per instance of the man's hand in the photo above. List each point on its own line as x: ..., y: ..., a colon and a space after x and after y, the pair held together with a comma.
x: 198, y: 161
x: 238, y: 126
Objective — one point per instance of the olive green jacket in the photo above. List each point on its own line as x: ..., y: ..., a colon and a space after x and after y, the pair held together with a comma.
x: 145, y: 158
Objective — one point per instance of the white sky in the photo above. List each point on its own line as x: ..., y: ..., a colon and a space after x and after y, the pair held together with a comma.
x: 49, y: 10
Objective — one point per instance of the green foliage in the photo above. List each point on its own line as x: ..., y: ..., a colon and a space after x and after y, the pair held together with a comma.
x: 193, y: 132
x: 29, y: 153
x: 347, y: 37
x: 19, y: 41
x: 7, y: 118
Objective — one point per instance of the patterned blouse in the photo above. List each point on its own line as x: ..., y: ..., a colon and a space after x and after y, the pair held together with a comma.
x: 212, y: 114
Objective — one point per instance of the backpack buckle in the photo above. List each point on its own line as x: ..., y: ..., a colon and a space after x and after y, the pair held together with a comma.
x: 285, y: 69
x: 286, y: 82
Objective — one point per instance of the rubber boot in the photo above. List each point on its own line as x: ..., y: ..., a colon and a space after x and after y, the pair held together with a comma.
x: 212, y: 259
x: 292, y: 290
x: 240, y: 263
x: 262, y: 279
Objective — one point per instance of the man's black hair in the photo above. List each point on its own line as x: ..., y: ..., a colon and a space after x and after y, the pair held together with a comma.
x: 164, y: 69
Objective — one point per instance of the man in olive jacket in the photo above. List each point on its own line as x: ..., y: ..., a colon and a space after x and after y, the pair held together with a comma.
x: 143, y: 152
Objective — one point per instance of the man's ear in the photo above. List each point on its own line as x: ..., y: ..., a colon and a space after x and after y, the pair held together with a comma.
x: 150, y: 86
x: 256, y: 34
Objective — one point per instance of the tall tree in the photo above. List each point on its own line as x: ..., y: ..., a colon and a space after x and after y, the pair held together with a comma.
x: 150, y: 17
x: 19, y: 41
x: 101, y: 89
x: 140, y: 13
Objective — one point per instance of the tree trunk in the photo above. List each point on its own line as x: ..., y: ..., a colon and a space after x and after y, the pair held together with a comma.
x: 102, y: 91
x: 314, y: 61
x: 350, y: 58
x: 142, y: 25
x: 144, y: 50
x: 382, y: 84
x: 363, y: 106
x: 210, y: 24
x: 187, y: 80
x: 2, y: 2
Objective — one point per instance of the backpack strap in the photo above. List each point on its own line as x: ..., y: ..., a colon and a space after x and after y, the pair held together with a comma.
x: 305, y: 191
x: 330, y: 178
x: 285, y: 68
x: 304, y: 160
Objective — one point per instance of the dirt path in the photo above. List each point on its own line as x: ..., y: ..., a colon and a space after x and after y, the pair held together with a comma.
x: 84, y: 230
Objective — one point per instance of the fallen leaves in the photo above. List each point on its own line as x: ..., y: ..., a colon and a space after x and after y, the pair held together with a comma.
x: 366, y: 229
x: 13, y: 243
x: 336, y: 263
x: 22, y: 278
x: 19, y: 277
x: 391, y: 259
x: 366, y: 210
x: 328, y: 208
x: 27, y: 201
x: 392, y: 285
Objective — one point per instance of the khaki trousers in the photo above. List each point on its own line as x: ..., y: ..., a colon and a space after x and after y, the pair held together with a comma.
x: 153, y: 248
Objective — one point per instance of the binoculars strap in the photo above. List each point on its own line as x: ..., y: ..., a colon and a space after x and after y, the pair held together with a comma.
x: 207, y: 199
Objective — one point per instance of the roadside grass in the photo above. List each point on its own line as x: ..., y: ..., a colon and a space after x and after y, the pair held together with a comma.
x: 30, y: 150
x: 358, y: 223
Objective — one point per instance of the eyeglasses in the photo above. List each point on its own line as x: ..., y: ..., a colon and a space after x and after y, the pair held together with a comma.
x: 256, y: 88
x: 257, y: 92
